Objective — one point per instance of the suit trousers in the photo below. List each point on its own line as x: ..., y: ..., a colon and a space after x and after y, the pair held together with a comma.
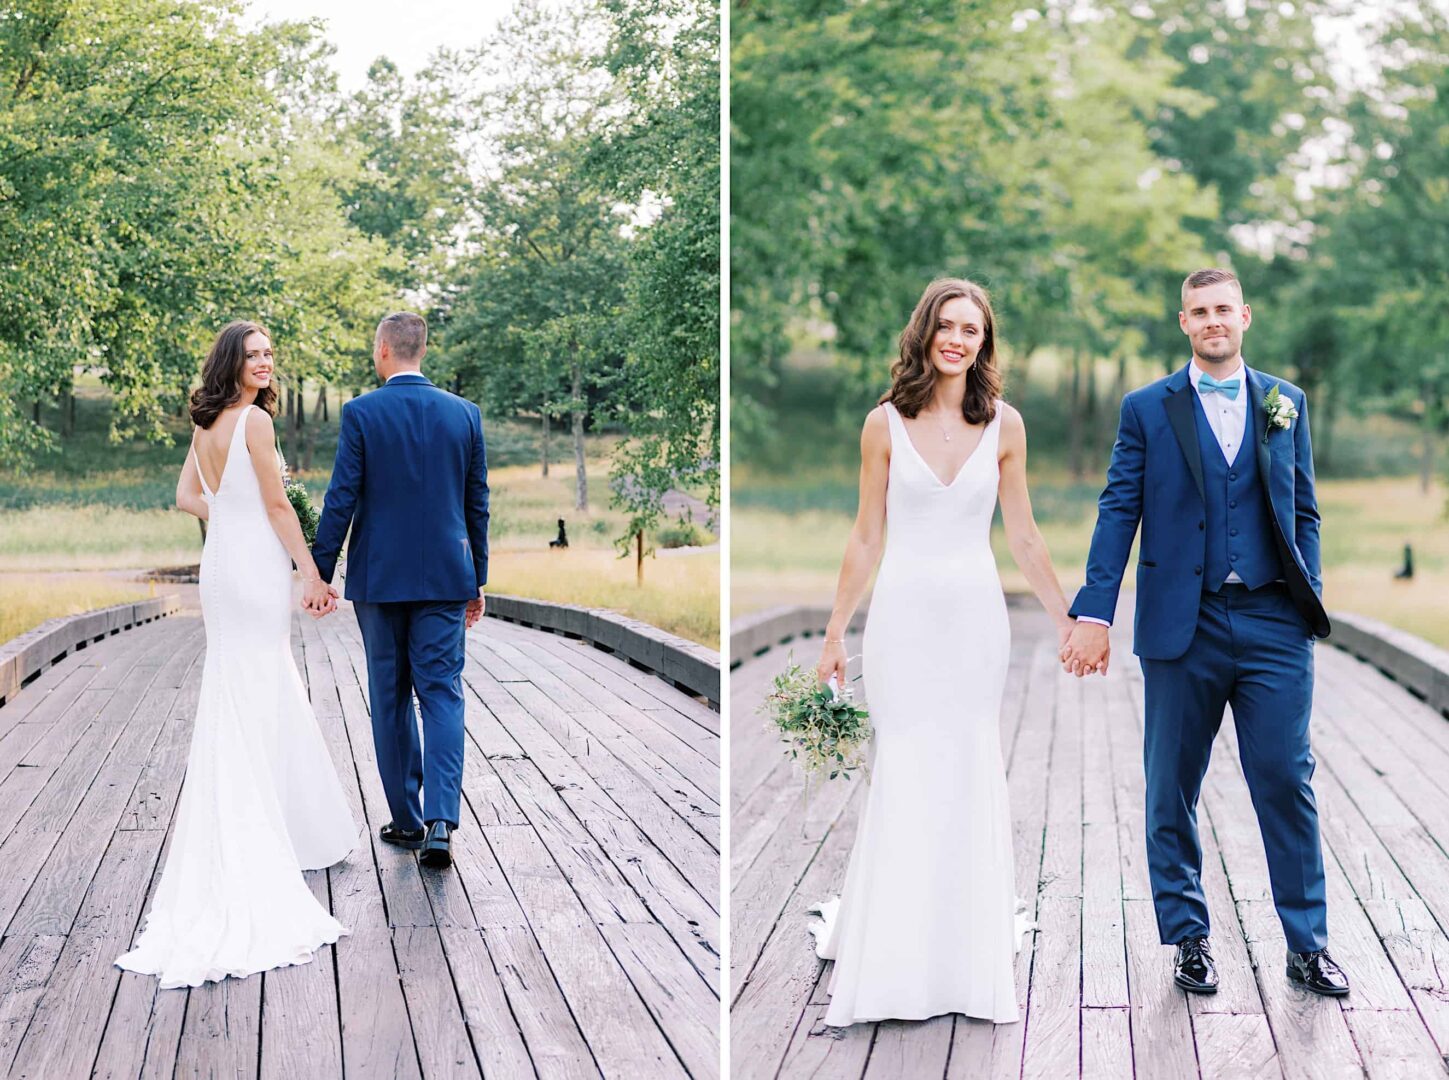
x: 1252, y: 651
x: 417, y: 646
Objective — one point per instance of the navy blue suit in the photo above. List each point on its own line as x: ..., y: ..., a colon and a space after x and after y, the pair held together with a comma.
x: 1205, y: 644
x: 411, y: 479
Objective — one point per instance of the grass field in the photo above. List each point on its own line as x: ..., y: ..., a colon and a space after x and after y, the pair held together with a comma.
x: 93, y: 506
x: 26, y: 603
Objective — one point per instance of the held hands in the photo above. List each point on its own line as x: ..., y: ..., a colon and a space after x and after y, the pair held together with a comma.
x: 1087, y: 650
x: 318, y: 598
x: 474, y: 611
x: 832, y: 662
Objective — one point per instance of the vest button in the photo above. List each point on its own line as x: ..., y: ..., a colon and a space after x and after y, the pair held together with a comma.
x: 1197, y: 570
x: 1233, y: 558
x: 1232, y: 532
x: 1233, y: 504
x: 1232, y: 476
x: 1202, y: 525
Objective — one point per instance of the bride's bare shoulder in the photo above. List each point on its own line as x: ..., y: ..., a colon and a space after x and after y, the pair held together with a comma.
x: 875, y: 432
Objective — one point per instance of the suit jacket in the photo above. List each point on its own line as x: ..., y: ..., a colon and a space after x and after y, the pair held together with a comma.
x: 411, y: 478
x: 1156, y: 479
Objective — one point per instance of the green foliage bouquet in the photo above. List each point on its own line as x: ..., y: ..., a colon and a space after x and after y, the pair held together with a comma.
x: 307, y: 515
x: 823, y: 730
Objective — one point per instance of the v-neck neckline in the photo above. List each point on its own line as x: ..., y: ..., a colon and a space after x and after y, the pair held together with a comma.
x: 927, y: 465
x: 231, y: 445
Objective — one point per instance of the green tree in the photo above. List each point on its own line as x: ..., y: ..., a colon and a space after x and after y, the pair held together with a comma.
x: 664, y: 154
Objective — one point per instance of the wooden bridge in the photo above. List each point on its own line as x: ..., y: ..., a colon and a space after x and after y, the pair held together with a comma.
x: 576, y: 936
x: 1095, y: 988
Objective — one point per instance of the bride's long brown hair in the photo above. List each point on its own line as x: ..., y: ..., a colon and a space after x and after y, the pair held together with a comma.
x: 221, y: 375
x: 913, y: 376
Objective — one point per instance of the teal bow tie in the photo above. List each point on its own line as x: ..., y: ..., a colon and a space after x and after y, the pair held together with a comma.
x: 1228, y: 387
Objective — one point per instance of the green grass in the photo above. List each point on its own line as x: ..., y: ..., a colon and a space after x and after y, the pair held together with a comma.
x: 27, y: 602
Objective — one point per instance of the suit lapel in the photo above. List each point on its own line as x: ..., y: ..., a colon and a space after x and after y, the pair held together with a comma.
x: 1257, y: 423
x: 1179, y: 415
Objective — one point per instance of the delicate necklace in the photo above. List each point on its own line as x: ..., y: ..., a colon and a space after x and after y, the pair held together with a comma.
x: 945, y: 434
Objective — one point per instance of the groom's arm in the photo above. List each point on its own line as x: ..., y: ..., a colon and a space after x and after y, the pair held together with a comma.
x: 1119, y: 511
x: 1305, y: 500
x: 475, y: 501
x: 341, y: 499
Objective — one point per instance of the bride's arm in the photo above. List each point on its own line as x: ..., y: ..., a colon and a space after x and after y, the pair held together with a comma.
x: 863, y: 549
x: 261, y: 440
x: 1022, y: 536
x: 189, y: 496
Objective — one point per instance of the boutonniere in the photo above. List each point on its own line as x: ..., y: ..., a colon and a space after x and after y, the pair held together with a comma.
x: 1280, y: 410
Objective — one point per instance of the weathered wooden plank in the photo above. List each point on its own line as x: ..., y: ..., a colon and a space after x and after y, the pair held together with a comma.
x: 495, y: 1033
x: 1106, y: 1043
x: 1054, y: 1046
x: 550, y: 1030
x: 70, y: 1016
x: 1311, y: 1032
x: 1162, y: 1039
x: 772, y: 992
x: 221, y: 1034
x: 1235, y: 1046
x: 682, y: 1005
x: 904, y: 1049
x: 815, y: 1050
x: 620, y: 1032
x: 301, y: 1026
x: 433, y: 1004
x: 1395, y: 1045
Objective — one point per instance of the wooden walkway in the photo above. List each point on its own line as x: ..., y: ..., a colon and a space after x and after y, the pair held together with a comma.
x: 1095, y: 990
x: 577, y: 934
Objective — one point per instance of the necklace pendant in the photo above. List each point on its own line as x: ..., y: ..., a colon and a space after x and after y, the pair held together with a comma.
x: 948, y: 438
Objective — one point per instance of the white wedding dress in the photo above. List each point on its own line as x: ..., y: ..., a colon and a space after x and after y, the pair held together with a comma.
x: 261, y: 800
x: 928, y: 920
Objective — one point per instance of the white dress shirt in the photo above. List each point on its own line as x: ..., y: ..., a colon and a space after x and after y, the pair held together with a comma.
x: 397, y: 374
x: 1228, y: 420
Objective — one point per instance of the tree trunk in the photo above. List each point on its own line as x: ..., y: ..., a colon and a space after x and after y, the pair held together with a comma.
x: 1074, y: 418
x: 326, y: 412
x: 543, y: 441
x: 639, y: 558
x: 309, y: 444
x: 70, y: 411
x: 581, y: 498
x: 37, y: 410
x: 1426, y: 456
x: 1323, y: 436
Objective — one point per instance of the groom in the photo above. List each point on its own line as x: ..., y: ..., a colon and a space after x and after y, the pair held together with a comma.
x: 1215, y: 464
x: 412, y: 481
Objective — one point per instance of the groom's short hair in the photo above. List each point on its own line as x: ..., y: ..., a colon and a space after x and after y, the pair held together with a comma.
x: 1213, y: 275
x: 406, y: 334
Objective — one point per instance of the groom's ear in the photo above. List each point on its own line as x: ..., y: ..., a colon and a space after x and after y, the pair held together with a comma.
x: 1247, y: 316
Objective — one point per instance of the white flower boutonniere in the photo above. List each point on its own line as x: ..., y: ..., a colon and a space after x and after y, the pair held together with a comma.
x: 1279, y: 409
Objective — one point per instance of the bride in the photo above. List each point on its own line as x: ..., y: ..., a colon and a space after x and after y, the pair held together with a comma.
x: 927, y: 922
x: 261, y: 801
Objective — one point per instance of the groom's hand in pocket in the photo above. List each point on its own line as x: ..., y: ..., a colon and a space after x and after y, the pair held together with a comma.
x: 1088, y: 650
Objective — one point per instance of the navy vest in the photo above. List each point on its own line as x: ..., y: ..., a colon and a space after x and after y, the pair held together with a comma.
x: 1239, y: 522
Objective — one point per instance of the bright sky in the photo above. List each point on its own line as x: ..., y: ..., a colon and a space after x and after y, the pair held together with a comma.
x: 407, y: 34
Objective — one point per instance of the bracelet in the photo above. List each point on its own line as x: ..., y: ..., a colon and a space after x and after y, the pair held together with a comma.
x: 835, y: 641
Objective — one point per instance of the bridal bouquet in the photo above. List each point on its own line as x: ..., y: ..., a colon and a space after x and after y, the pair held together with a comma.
x: 307, y: 515
x: 823, y: 730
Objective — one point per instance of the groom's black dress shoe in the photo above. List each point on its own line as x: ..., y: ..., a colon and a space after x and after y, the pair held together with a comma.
x: 437, y: 848
x: 1194, y: 969
x: 411, y: 839
x: 1316, y: 971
